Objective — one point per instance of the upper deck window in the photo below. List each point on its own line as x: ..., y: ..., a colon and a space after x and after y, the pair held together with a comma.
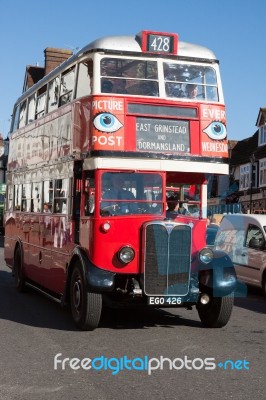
x: 129, y: 76
x: 190, y: 81
x: 22, y: 114
x: 84, y: 81
x: 53, y: 94
x: 67, y: 86
x: 31, y: 108
x: 41, y: 103
x: 15, y: 119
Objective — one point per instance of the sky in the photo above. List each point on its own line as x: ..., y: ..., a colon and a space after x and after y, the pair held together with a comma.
x: 235, y: 30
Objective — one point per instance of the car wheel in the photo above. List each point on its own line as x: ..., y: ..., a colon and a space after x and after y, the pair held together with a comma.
x: 86, y: 307
x: 18, y: 272
x: 217, y: 312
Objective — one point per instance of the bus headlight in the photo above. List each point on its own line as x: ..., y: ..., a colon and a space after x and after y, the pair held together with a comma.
x: 126, y: 254
x: 206, y: 255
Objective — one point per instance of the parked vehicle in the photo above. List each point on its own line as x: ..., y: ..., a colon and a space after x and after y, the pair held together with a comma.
x: 243, y: 238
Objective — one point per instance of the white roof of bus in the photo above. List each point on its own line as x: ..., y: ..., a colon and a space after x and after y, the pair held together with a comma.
x: 131, y: 44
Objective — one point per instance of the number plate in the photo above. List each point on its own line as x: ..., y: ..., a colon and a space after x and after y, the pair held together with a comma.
x: 164, y: 300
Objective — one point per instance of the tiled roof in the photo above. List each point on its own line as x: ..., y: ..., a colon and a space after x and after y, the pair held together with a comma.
x: 243, y: 150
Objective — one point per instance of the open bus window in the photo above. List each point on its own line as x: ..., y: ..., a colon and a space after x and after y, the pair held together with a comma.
x: 130, y: 193
x: 22, y: 114
x: 48, y: 194
x: 61, y: 196
x: 9, y: 203
x: 17, y: 197
x: 31, y: 108
x: 36, y: 197
x: 67, y: 86
x: 26, y: 197
x: 84, y: 82
x: 53, y: 94
x: 41, y: 102
x: 15, y: 119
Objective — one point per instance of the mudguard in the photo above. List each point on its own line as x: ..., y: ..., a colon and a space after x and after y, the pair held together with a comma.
x: 98, y: 280
x: 218, y: 278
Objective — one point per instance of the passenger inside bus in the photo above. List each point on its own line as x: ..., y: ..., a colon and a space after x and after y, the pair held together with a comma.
x: 107, y: 86
x: 176, y: 207
x: 148, y: 89
x: 192, y: 91
x: 120, y: 86
x: 173, y: 207
x: 47, y: 207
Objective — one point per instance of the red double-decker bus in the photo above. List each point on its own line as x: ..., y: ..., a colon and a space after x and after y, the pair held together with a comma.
x: 100, y: 148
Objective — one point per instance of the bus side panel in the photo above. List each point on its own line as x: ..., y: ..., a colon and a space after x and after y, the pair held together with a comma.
x: 10, y: 240
x: 61, y: 248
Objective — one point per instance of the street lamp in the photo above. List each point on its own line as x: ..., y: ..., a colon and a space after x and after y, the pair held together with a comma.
x: 252, y: 162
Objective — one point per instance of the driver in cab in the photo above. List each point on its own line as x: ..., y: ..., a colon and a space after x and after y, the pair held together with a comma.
x: 118, y: 193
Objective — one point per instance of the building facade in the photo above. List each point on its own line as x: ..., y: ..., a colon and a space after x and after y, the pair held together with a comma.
x: 248, y: 170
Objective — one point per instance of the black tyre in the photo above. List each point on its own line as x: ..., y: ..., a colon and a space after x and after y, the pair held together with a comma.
x: 86, y: 307
x: 18, y: 272
x: 217, y: 312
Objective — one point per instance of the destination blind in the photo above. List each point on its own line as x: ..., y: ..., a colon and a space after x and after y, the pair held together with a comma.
x: 161, y: 135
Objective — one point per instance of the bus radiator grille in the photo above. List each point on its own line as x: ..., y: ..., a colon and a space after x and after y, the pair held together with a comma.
x: 167, y: 248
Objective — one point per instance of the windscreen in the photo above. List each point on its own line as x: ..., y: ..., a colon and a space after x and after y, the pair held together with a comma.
x: 131, y: 193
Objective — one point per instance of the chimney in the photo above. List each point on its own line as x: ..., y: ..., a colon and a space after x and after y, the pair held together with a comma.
x: 54, y: 57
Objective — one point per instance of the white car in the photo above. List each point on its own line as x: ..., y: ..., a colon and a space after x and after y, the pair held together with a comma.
x: 243, y: 238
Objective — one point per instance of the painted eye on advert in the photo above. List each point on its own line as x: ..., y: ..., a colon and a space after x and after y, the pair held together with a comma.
x: 106, y: 122
x: 216, y: 130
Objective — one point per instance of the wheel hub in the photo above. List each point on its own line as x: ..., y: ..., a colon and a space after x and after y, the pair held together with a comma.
x: 77, y: 295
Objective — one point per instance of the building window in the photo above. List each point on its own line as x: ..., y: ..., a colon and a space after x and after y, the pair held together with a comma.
x: 262, y: 135
x: 244, y: 183
x: 262, y: 172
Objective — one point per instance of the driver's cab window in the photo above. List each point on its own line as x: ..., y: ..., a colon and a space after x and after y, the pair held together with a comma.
x: 131, y: 193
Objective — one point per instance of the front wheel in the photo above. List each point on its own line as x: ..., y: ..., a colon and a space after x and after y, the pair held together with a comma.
x: 86, y: 307
x: 217, y: 312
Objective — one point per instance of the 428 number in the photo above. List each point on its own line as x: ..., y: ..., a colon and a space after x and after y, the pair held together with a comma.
x: 161, y: 43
